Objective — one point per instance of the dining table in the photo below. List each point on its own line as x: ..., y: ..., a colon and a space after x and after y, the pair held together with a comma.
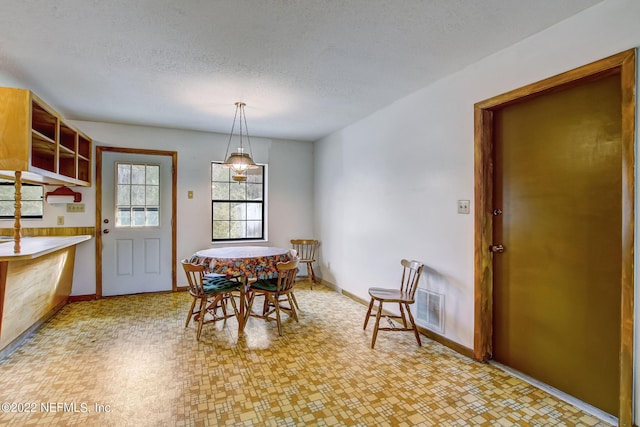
x: 245, y: 263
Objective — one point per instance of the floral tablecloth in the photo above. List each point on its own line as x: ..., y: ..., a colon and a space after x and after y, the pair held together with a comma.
x: 247, y: 261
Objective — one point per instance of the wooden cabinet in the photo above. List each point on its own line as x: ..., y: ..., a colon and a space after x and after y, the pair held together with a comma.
x: 35, y: 139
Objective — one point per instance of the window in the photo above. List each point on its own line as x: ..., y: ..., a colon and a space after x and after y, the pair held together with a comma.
x: 32, y: 200
x: 137, y: 195
x: 237, y: 208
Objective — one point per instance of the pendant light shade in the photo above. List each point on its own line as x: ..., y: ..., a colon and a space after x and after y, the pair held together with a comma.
x: 240, y: 161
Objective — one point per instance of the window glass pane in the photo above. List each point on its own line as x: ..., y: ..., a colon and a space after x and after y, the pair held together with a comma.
x: 254, y: 211
x: 220, y: 190
x: 124, y: 173
x: 237, y: 230
x: 124, y: 195
x: 254, y: 229
x: 238, y: 211
x: 254, y: 176
x: 6, y: 208
x: 138, y: 175
x: 123, y: 217
x: 153, y: 219
x: 221, y: 212
x: 254, y: 191
x: 153, y: 175
x: 30, y: 208
x: 7, y: 191
x: 238, y: 191
x: 219, y: 173
x: 31, y: 192
x: 221, y: 230
x: 153, y: 196
x: 138, y: 195
x: 138, y: 217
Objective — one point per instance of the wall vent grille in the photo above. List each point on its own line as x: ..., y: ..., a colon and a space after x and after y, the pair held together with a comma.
x: 430, y: 310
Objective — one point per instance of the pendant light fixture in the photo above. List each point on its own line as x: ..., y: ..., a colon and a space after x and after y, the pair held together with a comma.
x: 240, y: 161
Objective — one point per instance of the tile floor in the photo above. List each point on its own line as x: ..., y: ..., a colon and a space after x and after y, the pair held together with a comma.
x: 129, y: 361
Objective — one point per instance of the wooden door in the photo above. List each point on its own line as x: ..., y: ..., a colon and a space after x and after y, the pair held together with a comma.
x: 136, y: 215
x: 557, y: 285
x: 485, y: 113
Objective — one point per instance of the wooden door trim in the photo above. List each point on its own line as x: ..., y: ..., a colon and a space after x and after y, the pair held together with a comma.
x: 624, y: 64
x: 174, y: 206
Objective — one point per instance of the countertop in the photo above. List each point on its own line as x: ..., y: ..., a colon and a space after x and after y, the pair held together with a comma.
x: 36, y: 246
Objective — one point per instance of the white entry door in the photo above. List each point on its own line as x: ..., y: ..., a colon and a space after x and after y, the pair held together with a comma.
x: 136, y: 223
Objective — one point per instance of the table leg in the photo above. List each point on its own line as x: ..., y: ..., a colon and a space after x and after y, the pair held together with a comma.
x: 243, y: 304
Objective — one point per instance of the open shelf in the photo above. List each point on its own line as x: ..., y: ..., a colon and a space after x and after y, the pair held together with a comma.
x: 36, y: 141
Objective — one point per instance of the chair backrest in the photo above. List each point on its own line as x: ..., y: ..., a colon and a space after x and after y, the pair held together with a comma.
x: 410, y: 276
x: 287, y: 275
x: 306, y: 249
x: 195, y: 275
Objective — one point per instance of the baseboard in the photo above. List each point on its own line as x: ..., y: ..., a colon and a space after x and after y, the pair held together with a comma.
x: 458, y: 348
x: 329, y: 285
x: 78, y: 298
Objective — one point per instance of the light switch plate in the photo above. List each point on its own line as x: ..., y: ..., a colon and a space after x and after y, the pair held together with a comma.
x: 464, y: 206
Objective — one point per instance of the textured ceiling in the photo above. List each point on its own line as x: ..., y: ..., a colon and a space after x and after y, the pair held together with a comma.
x: 305, y: 68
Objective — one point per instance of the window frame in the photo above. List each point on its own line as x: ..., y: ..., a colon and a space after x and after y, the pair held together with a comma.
x: 5, y: 182
x: 263, y: 203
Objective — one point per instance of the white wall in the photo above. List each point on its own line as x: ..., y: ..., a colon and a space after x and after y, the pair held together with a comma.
x: 290, y: 186
x: 386, y: 187
x: 290, y: 182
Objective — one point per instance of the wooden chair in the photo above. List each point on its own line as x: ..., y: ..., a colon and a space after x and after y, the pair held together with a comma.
x: 404, y: 296
x: 212, y: 295
x: 276, y: 292
x: 306, y: 250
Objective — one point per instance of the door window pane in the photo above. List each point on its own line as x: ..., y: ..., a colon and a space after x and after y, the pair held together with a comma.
x: 137, y: 195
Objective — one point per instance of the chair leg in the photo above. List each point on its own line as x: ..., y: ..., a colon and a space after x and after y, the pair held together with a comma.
x: 203, y: 310
x: 233, y: 304
x: 294, y: 300
x: 311, y: 274
x: 190, y: 314
x: 366, y: 319
x: 404, y: 319
x: 214, y: 305
x: 223, y: 304
x: 292, y: 305
x: 276, y: 306
x: 415, y: 328
x: 375, y: 330
x: 250, y: 299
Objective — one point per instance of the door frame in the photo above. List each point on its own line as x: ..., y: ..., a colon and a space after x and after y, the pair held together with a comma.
x: 624, y: 64
x: 174, y: 203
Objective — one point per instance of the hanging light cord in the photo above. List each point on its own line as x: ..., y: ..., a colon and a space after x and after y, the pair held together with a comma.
x: 233, y: 126
x: 243, y: 114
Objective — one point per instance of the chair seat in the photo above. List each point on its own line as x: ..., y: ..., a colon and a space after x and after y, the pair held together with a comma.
x: 219, y: 284
x: 390, y: 295
x: 270, y: 285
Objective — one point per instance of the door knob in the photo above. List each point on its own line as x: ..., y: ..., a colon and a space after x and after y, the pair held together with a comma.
x: 105, y: 231
x: 496, y: 248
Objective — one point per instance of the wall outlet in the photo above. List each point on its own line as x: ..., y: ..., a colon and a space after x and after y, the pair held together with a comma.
x: 464, y: 206
x: 61, y: 220
x: 75, y: 207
